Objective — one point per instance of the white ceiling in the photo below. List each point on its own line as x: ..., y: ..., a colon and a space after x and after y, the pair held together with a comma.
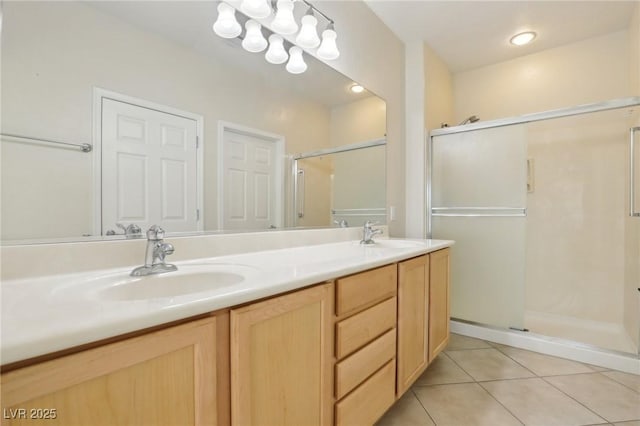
x: 471, y: 34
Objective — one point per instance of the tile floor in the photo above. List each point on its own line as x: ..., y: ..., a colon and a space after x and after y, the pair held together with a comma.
x: 477, y: 383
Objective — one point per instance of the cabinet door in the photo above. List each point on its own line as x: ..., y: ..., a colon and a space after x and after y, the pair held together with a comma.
x: 281, y: 360
x: 167, y: 377
x: 439, y: 303
x: 413, y: 318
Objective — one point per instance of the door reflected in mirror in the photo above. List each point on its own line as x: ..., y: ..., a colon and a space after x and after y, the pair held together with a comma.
x: 62, y: 60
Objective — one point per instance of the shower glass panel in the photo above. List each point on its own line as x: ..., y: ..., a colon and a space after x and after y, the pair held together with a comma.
x: 541, y: 211
x: 479, y: 197
x: 582, y: 245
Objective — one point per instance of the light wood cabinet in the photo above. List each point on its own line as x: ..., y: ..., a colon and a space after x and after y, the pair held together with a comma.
x: 167, y: 377
x: 281, y: 360
x: 413, y: 320
x: 366, y: 318
x: 439, y: 302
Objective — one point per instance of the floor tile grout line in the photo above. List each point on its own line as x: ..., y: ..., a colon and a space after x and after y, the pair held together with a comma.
x: 511, y: 378
x: 516, y: 361
x: 460, y: 367
x: 579, y: 402
x: 423, y: 407
x: 539, y: 377
x: 617, y: 381
x: 477, y: 383
x: 501, y: 404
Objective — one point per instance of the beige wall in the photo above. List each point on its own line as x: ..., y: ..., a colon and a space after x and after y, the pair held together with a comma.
x: 373, y: 56
x: 591, y: 70
x: 438, y: 91
x: 359, y: 121
x: 55, y: 53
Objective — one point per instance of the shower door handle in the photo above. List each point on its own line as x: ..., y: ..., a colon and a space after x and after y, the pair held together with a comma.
x: 632, y: 174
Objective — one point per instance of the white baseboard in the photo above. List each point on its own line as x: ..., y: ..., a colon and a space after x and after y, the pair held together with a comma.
x: 551, y: 346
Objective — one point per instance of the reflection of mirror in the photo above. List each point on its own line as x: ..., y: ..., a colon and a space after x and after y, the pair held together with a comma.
x: 349, y: 179
x: 158, y: 56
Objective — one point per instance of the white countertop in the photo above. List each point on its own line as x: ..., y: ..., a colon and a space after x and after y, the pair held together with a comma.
x: 49, y: 314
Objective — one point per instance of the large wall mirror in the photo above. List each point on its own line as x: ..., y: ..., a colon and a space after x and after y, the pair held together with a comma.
x: 187, y: 129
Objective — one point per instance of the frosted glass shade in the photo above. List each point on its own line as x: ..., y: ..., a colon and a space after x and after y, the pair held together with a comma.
x: 328, y: 48
x: 296, y: 64
x: 308, y: 35
x: 284, y: 22
x: 226, y: 26
x: 276, y: 54
x: 257, y: 9
x: 253, y: 41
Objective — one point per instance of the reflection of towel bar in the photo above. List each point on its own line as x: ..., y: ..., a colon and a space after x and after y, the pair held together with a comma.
x: 84, y: 147
x: 360, y: 212
x: 479, y: 211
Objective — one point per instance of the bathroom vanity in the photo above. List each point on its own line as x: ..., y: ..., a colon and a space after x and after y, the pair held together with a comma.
x: 333, y: 341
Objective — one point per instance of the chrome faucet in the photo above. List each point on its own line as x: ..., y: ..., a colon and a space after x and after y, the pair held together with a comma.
x: 157, y: 250
x: 342, y: 223
x: 368, y: 232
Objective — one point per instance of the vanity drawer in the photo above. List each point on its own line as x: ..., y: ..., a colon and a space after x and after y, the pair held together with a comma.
x: 355, y: 369
x: 358, y: 330
x: 362, y: 289
x: 370, y: 400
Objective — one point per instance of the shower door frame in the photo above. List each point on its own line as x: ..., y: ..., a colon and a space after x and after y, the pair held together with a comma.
x: 527, y: 118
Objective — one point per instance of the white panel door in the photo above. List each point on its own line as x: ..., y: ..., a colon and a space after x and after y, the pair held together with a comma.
x: 149, y: 168
x: 249, y: 170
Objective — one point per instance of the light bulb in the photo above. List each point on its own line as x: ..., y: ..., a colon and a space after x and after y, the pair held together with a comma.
x: 256, y: 8
x: 308, y: 36
x: 523, y: 38
x: 284, y: 22
x: 253, y: 41
x: 328, y: 48
x: 296, y: 64
x: 276, y: 53
x: 226, y: 25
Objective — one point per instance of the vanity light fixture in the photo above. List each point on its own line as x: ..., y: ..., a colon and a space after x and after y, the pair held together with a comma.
x: 296, y: 64
x: 283, y: 23
x: 276, y: 54
x: 256, y: 9
x: 308, y: 36
x: 328, y: 49
x: 226, y: 26
x: 253, y: 40
x: 523, y: 38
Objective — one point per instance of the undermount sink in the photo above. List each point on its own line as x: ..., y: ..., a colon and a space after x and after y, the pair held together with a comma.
x: 188, y: 279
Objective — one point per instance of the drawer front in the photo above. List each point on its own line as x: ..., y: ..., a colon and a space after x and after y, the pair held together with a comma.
x: 365, y: 288
x: 370, y: 400
x: 358, y: 330
x: 356, y: 368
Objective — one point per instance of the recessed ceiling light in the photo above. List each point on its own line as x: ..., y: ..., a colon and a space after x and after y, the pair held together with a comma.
x: 356, y: 88
x: 523, y: 38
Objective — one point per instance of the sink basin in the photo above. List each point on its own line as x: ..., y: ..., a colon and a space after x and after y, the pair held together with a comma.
x: 188, y: 279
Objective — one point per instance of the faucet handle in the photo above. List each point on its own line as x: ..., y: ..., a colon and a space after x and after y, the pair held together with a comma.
x: 369, y: 223
x: 155, y: 233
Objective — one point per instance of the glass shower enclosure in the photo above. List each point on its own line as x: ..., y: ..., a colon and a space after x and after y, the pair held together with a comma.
x: 544, y: 213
